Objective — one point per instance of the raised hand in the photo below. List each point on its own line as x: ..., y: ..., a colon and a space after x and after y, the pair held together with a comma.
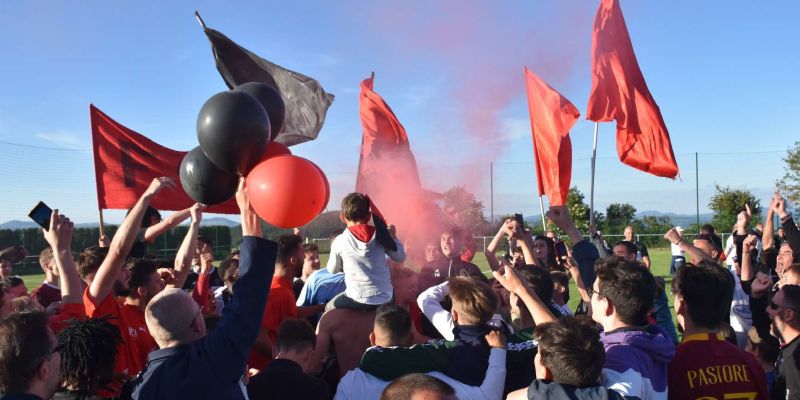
x: 673, y: 236
x: 749, y: 244
x: 496, y: 339
x: 103, y: 241
x: 59, y: 236
x: 743, y: 220
x: 196, y: 211
x: 510, y: 280
x: 157, y: 184
x: 779, y: 205
x: 206, y: 262
x: 251, y: 224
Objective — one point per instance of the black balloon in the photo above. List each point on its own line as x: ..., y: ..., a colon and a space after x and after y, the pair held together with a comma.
x: 272, y: 101
x: 233, y: 130
x: 203, y: 181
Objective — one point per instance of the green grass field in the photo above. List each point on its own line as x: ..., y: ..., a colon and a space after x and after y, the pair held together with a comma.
x: 660, y: 259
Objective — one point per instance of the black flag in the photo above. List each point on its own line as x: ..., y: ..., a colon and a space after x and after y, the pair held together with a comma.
x: 306, y: 100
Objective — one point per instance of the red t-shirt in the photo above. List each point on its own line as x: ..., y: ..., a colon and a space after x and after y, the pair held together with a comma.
x: 67, y: 312
x: 708, y: 367
x: 136, y: 339
x: 281, y: 304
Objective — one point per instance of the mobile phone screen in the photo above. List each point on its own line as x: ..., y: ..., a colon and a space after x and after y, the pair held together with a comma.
x: 518, y: 218
x: 41, y: 215
x: 561, y: 249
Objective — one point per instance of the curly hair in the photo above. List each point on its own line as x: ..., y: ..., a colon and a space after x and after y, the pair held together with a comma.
x: 88, y: 353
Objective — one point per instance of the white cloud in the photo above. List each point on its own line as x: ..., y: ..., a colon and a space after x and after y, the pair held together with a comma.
x: 61, y: 138
x: 419, y: 95
x: 515, y: 128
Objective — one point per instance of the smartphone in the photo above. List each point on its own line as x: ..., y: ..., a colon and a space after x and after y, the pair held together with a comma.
x: 561, y: 249
x: 520, y: 222
x: 41, y: 215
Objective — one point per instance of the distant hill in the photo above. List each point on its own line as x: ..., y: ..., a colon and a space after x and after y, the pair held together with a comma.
x: 683, y: 220
x: 219, y: 221
x: 18, y: 225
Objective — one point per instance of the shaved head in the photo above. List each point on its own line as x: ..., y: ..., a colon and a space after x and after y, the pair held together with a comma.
x: 172, y: 318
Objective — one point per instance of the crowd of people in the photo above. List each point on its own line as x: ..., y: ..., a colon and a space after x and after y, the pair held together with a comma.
x: 384, y: 321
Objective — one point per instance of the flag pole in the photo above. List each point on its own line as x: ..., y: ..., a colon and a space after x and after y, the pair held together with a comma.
x: 199, y: 19
x: 594, y: 160
x: 541, y: 207
x: 102, y: 231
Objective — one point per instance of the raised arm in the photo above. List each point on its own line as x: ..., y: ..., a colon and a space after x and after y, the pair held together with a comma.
x: 398, y: 255
x: 228, y: 346
x: 183, y: 259
x: 152, y: 232
x: 59, y: 237
x: 429, y: 303
x: 746, y: 261
x: 524, y: 239
x: 585, y: 253
x: 789, y: 228
x: 106, y: 275
x: 694, y: 253
x: 494, y: 264
x: 767, y: 237
x: 576, y: 275
x: 512, y: 282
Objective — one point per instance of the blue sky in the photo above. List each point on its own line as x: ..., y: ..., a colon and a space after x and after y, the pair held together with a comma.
x: 724, y: 74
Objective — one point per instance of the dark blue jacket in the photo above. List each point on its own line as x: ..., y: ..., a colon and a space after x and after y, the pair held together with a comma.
x: 212, y: 367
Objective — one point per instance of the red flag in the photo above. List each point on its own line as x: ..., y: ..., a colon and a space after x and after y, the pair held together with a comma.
x: 386, y: 158
x: 552, y: 116
x: 620, y: 93
x: 125, y: 163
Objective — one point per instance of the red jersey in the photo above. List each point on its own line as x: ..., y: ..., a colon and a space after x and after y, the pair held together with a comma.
x: 66, y: 313
x: 136, y: 339
x: 281, y: 304
x: 708, y: 367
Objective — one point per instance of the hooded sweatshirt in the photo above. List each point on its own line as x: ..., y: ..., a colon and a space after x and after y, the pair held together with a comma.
x: 366, y: 275
x: 637, y: 361
x: 551, y: 390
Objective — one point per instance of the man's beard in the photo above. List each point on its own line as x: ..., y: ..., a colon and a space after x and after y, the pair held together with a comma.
x: 120, y: 289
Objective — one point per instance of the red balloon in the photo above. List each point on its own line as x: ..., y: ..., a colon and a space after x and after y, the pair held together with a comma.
x: 327, y: 187
x: 275, y: 149
x: 287, y: 191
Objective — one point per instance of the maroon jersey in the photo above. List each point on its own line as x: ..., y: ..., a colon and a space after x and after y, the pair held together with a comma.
x: 708, y: 367
x: 46, y: 294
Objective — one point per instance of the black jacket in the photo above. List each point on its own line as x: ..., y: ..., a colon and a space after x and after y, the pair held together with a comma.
x: 212, y: 367
x: 285, y: 379
x: 555, y: 391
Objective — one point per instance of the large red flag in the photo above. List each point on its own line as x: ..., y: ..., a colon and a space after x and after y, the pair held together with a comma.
x: 125, y: 163
x: 386, y: 158
x: 552, y: 116
x: 620, y: 93
x: 387, y: 170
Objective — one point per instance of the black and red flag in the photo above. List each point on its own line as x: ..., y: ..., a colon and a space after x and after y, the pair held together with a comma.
x: 125, y: 162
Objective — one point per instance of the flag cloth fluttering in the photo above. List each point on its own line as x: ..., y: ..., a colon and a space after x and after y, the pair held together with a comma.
x: 619, y: 92
x: 306, y: 100
x: 125, y: 162
x: 552, y: 116
x: 386, y: 157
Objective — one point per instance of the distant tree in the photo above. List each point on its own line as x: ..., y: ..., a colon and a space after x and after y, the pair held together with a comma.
x: 578, y: 210
x: 728, y: 202
x: 651, y: 224
x: 466, y: 209
x: 323, y: 226
x: 618, y: 215
x: 789, y: 185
